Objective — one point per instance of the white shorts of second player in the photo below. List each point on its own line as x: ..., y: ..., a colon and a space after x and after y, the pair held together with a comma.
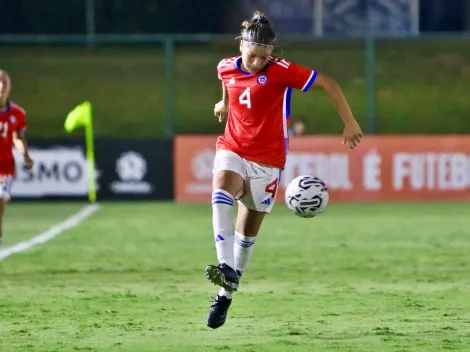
x: 261, y: 181
x: 5, y: 187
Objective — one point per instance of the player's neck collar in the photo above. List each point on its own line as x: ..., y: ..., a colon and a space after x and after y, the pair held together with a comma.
x: 238, y: 66
x: 6, y: 108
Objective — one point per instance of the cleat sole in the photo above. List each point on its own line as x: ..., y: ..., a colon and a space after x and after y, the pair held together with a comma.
x: 214, y: 275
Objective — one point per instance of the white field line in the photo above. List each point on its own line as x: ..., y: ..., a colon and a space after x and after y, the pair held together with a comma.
x: 51, y: 233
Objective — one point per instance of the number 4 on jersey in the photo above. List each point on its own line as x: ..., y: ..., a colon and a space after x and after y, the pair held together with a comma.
x: 245, y: 98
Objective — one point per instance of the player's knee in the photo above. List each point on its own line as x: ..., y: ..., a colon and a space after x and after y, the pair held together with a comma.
x: 228, y: 181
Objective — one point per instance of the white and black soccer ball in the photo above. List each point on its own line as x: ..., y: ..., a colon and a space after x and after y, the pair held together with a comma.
x: 307, y: 196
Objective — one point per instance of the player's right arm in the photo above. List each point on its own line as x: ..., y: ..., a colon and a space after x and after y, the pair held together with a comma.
x: 222, y: 107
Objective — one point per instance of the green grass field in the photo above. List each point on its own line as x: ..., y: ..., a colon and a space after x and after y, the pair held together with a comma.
x: 422, y: 85
x: 375, y: 277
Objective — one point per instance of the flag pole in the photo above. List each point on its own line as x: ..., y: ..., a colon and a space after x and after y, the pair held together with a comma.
x: 90, y: 158
x: 82, y: 115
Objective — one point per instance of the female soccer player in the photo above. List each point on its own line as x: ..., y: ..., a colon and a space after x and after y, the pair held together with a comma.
x: 256, y: 93
x: 12, y: 128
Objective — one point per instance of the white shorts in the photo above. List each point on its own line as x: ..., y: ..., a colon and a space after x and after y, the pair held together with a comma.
x: 261, y: 182
x: 5, y: 187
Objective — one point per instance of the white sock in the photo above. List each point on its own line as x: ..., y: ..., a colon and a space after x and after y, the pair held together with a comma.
x: 243, y: 247
x: 222, y: 222
x: 225, y: 293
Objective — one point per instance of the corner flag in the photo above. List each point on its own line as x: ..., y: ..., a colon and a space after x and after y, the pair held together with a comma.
x: 81, y: 115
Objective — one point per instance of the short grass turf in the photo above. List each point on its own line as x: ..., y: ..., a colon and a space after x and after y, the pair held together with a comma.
x: 377, y: 277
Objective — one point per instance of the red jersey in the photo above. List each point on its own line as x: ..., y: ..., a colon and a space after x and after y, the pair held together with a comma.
x: 11, y: 120
x: 259, y: 112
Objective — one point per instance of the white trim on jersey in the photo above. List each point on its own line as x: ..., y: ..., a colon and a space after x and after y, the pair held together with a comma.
x: 284, y: 113
x: 285, y: 102
x: 225, y: 62
x: 309, y: 82
x: 283, y: 63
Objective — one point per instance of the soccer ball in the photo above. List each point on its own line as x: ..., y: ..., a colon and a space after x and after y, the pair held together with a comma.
x: 307, y: 196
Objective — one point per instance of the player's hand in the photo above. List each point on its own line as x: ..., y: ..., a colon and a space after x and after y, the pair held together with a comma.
x: 28, y: 162
x: 221, y: 110
x: 352, y: 134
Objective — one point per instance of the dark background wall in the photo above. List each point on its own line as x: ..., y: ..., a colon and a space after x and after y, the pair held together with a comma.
x: 175, y: 16
x: 114, y: 16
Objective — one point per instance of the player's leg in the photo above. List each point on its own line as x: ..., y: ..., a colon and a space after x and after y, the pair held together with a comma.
x: 247, y: 228
x: 5, y: 188
x: 2, y: 210
x: 259, y: 201
x: 228, y: 182
x: 255, y: 203
x: 248, y: 221
x: 225, y: 186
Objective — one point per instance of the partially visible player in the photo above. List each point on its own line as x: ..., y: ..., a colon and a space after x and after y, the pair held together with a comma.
x: 250, y: 157
x: 12, y: 131
x: 297, y: 127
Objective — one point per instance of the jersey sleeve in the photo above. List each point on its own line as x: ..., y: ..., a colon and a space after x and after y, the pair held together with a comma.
x: 223, y: 66
x: 295, y: 76
x: 220, y: 66
x: 21, y: 120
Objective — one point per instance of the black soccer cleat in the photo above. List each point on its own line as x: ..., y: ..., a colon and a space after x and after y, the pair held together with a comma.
x: 223, y: 275
x: 218, y: 312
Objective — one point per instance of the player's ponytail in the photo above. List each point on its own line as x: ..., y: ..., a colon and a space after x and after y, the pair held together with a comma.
x: 258, y: 30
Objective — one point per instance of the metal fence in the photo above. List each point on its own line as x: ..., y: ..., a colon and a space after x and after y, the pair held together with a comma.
x: 401, y: 84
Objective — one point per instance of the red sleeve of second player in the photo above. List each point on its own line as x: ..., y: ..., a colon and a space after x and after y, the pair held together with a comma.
x: 295, y: 76
x: 221, y: 65
x: 21, y: 120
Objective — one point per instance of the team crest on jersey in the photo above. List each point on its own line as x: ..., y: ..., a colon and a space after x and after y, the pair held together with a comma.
x: 12, y: 119
x: 262, y: 80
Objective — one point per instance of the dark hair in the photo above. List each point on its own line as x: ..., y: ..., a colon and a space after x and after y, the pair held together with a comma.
x: 258, y: 30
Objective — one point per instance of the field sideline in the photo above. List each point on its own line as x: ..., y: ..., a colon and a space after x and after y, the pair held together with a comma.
x: 372, y: 277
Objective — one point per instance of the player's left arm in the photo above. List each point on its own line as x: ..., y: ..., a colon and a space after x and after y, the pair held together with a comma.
x: 302, y: 78
x: 19, y: 140
x: 352, y: 131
